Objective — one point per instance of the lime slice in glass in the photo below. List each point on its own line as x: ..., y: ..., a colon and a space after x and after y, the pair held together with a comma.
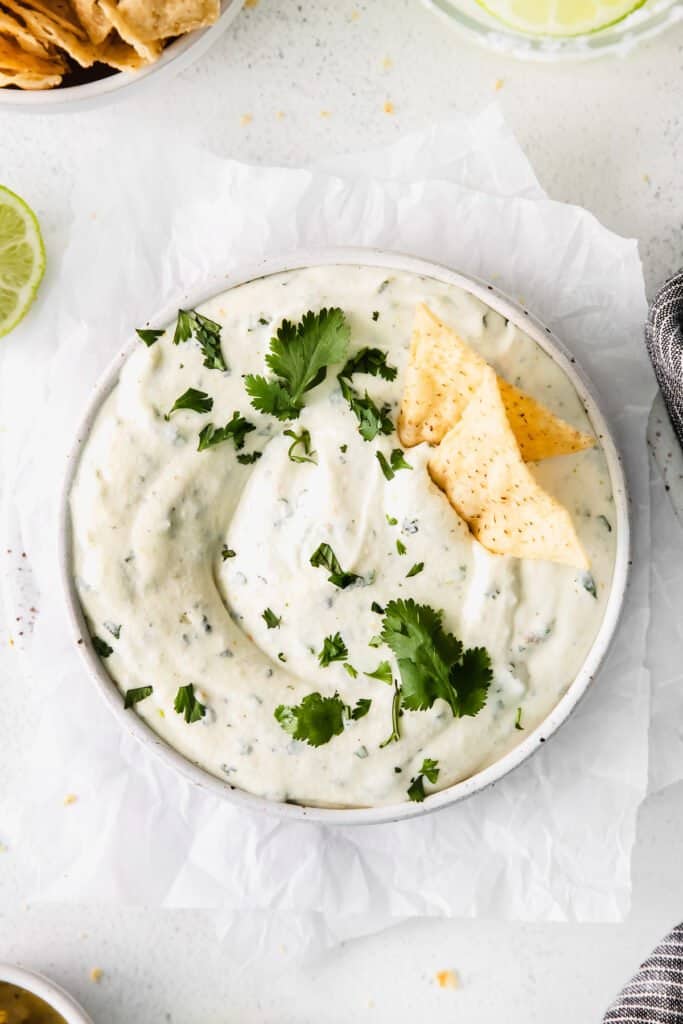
x: 560, y: 18
x: 22, y: 259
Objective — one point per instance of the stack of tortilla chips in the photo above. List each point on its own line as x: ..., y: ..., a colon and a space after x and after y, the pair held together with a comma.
x: 486, y: 431
x: 39, y: 39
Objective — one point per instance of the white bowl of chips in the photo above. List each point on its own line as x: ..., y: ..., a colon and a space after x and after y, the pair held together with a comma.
x: 70, y: 54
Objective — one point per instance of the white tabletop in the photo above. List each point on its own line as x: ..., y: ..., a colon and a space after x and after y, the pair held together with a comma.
x: 605, y: 135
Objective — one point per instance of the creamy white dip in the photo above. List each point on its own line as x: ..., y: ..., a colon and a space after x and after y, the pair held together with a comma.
x: 151, y: 516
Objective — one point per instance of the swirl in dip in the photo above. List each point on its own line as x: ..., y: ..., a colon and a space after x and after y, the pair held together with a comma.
x: 178, y: 553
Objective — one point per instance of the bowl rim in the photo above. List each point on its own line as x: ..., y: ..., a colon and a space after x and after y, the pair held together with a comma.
x: 176, y: 57
x: 544, y: 337
x: 46, y: 989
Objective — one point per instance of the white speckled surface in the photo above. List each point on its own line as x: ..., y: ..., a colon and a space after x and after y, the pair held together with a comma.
x: 606, y: 135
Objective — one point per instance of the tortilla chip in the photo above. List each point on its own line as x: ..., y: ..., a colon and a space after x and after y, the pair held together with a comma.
x: 150, y: 20
x: 149, y: 50
x: 120, y: 55
x: 442, y: 376
x: 15, y: 59
x: 27, y: 81
x: 93, y: 19
x: 479, y: 466
x: 59, y: 28
x: 16, y: 29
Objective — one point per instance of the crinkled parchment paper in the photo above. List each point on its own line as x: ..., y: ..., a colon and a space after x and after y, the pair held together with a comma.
x: 550, y: 842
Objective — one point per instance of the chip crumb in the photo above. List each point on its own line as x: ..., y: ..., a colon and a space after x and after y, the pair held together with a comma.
x: 280, y: 115
x: 162, y: 713
x: 388, y: 107
x: 96, y: 974
x: 447, y: 979
x: 326, y: 113
x: 646, y: 179
x: 355, y: 15
x: 251, y: 3
x: 70, y: 798
x: 387, y: 64
x: 246, y: 119
x: 498, y: 84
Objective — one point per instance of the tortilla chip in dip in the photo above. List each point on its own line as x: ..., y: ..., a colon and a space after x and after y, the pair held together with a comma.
x: 479, y: 466
x: 442, y: 376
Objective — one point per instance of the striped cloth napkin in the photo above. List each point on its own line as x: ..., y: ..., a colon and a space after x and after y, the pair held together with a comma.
x: 664, y: 339
x: 655, y: 994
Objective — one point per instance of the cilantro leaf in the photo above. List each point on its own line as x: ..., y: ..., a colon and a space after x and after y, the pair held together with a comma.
x: 324, y: 557
x: 195, y: 401
x: 207, y: 334
x: 377, y: 608
x: 299, y: 356
x: 271, y: 620
x: 135, y: 695
x: 227, y: 552
x: 303, y: 439
x: 372, y: 361
x: 432, y: 662
x: 361, y: 709
x: 400, y: 547
x: 391, y: 468
x: 382, y: 672
x: 249, y: 459
x: 236, y: 430
x: 350, y: 670
x: 333, y: 649
x: 315, y: 720
x: 415, y: 570
x: 518, y: 720
x: 148, y: 335
x: 187, y: 704
x: 371, y: 420
x: 101, y: 647
x: 430, y: 771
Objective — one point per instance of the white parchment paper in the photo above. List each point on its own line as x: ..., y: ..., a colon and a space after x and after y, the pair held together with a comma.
x: 550, y: 842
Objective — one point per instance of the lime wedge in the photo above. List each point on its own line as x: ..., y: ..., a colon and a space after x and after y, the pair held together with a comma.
x: 560, y: 18
x: 22, y: 259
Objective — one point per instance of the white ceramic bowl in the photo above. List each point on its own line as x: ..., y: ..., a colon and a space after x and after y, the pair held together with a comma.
x: 174, y: 59
x: 352, y: 816
x: 52, y: 994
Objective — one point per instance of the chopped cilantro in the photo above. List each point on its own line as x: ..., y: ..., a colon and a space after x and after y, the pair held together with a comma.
x: 324, y: 557
x: 374, y: 607
x: 375, y: 641
x: 195, y: 401
x: 371, y: 420
x: 605, y: 522
x: 299, y: 356
x: 187, y: 704
x: 114, y: 628
x: 400, y: 546
x: 101, y: 647
x: 361, y: 709
x: 430, y: 771
x: 148, y: 335
x: 343, y: 448
x: 395, y: 733
x: 391, y: 520
x: 417, y: 568
x: 372, y: 361
x: 375, y: 315
x: 433, y: 663
x: 271, y: 620
x: 315, y: 720
x: 281, y: 657
x: 135, y: 695
x: 350, y: 670
x: 303, y: 439
x: 250, y: 459
x: 396, y: 462
x: 227, y: 552
x: 588, y: 583
x: 207, y: 333
x: 236, y: 430
x: 518, y: 720
x: 382, y: 672
x: 334, y: 649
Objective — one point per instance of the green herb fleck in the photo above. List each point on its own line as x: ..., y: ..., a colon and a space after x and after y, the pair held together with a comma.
x: 430, y: 771
x: 303, y: 439
x: 250, y: 459
x: 588, y: 583
x: 350, y: 670
x: 400, y: 547
x: 371, y: 419
x: 362, y: 753
x: 382, y: 672
x: 315, y: 720
x: 135, y: 695
x: 343, y: 448
x: 606, y: 523
x: 236, y: 430
x: 227, y: 552
x: 375, y: 607
x: 369, y: 360
x: 417, y: 568
x: 195, y: 401
x: 101, y: 647
x: 187, y: 704
x: 114, y: 628
x: 375, y: 315
x: 324, y: 557
x: 271, y: 620
x: 395, y: 733
x: 299, y: 356
x: 391, y: 521
x: 148, y: 335
x: 518, y: 719
x: 207, y: 334
x: 361, y: 709
x: 281, y: 657
x: 333, y: 649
